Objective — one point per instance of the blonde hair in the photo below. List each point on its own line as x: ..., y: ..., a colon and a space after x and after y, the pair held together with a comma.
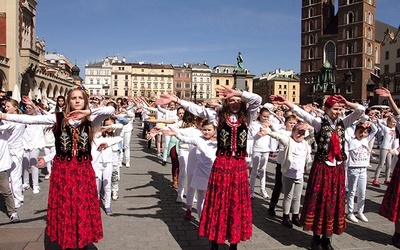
x: 15, y: 104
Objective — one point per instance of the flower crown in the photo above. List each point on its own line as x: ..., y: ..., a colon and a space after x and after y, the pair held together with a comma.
x: 81, y: 87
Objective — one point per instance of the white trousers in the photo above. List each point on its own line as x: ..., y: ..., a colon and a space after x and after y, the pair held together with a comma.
x: 357, y: 178
x: 29, y: 162
x: 47, y: 151
x: 103, y: 179
x: 127, y: 148
x: 182, y: 180
x: 260, y: 161
x: 15, y: 173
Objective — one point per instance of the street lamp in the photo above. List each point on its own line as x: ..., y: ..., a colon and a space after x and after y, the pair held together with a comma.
x: 195, y: 92
x: 392, y: 36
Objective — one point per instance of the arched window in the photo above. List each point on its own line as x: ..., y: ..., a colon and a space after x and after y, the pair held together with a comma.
x: 311, y: 53
x: 369, y: 49
x: 369, y: 33
x: 350, y: 33
x: 369, y: 17
x: 350, y: 48
x: 349, y: 18
x: 311, y: 25
x: 311, y: 40
x: 330, y: 53
x: 310, y: 12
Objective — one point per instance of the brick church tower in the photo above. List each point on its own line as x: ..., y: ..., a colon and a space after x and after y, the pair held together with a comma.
x: 338, y: 50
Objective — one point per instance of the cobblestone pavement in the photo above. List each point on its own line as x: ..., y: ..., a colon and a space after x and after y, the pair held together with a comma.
x: 146, y: 216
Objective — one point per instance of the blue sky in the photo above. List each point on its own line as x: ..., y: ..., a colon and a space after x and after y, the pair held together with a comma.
x: 266, y: 32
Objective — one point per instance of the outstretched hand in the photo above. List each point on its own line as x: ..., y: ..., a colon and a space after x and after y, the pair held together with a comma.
x: 383, y: 92
x: 165, y: 99
x: 77, y: 114
x: 226, y: 92
x: 278, y: 99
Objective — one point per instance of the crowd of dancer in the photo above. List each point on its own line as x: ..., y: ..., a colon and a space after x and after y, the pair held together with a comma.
x: 216, y: 150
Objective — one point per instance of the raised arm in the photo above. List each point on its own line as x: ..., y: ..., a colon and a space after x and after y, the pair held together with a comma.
x: 384, y: 92
x: 30, y: 119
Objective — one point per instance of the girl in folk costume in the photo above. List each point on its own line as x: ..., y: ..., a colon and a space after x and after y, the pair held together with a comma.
x: 103, y: 158
x: 390, y: 207
x: 73, y: 213
x: 324, y: 204
x: 227, y: 211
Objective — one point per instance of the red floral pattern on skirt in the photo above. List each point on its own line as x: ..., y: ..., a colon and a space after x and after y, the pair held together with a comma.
x: 390, y: 207
x: 73, y: 213
x: 324, y: 204
x: 227, y: 212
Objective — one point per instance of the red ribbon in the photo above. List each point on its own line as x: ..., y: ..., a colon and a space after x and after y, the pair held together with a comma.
x: 334, y: 150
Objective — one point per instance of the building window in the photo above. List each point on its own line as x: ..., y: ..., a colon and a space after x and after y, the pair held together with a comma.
x: 349, y: 18
x: 311, y: 25
x: 397, y: 67
x: 115, y: 77
x: 311, y: 40
x: 311, y: 53
x: 369, y: 49
x: 369, y: 64
x: 226, y: 82
x: 126, y: 84
x: 386, y: 69
x: 187, y: 85
x: 126, y: 77
x: 369, y: 33
x: 387, y: 55
x: 369, y: 18
x: 115, y: 92
x: 349, y: 63
x: 217, y: 82
x: 349, y: 89
x: 106, y: 81
x: 350, y: 48
x: 179, y: 85
x: 349, y: 32
x: 330, y: 53
x: 115, y: 84
x: 91, y: 81
x: 310, y: 12
x: 126, y: 93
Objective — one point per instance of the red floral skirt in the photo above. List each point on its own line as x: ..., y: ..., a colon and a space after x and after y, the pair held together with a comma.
x: 73, y: 213
x: 324, y: 204
x: 227, y: 213
x: 390, y: 207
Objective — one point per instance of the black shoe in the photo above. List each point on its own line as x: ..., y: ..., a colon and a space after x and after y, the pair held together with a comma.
x: 233, y: 247
x: 286, y: 221
x: 164, y: 163
x: 271, y: 211
x: 396, y: 240
x: 296, y: 221
x: 214, y: 245
x: 326, y: 243
x: 316, y: 244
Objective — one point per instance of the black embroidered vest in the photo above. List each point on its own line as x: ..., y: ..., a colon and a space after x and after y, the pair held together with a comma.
x: 323, y: 139
x: 72, y: 141
x: 232, y: 140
